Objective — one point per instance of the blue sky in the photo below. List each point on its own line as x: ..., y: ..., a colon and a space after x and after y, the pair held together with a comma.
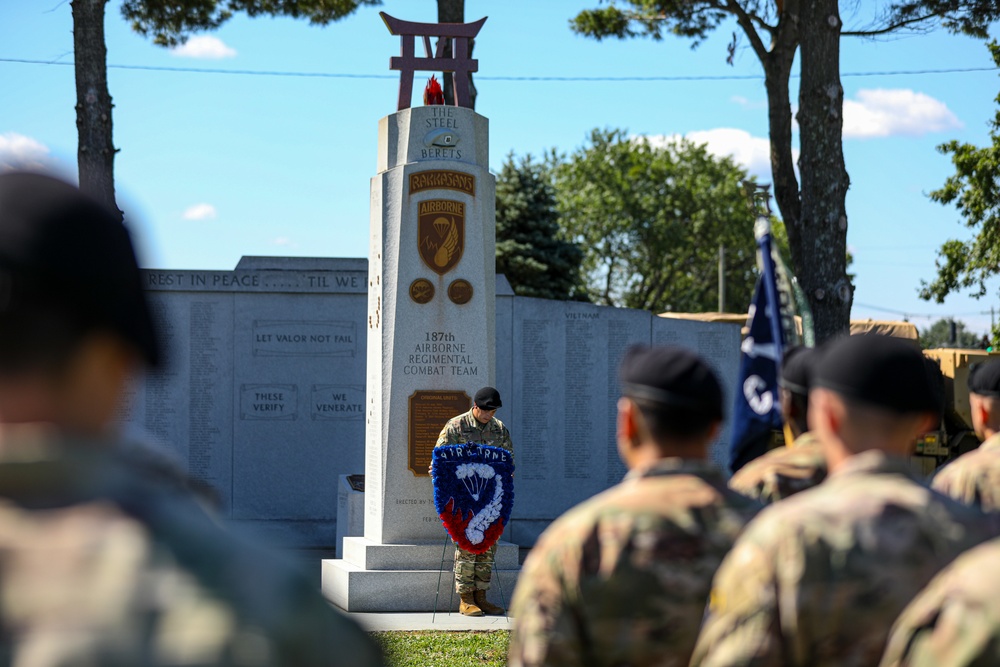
x: 216, y: 166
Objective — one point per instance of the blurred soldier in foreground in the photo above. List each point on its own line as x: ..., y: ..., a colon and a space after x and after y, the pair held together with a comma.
x: 473, y: 572
x: 955, y: 621
x: 974, y: 477
x: 818, y: 578
x: 622, y: 578
x: 787, y: 470
x: 102, y: 563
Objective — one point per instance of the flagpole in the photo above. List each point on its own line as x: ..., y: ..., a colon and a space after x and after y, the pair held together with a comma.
x: 722, y: 278
x: 756, y: 408
x: 761, y: 201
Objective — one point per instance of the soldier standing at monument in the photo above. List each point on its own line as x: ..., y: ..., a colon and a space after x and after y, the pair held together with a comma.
x: 104, y: 563
x: 818, y: 578
x: 474, y: 571
x: 622, y: 578
x: 974, y: 477
x: 787, y: 470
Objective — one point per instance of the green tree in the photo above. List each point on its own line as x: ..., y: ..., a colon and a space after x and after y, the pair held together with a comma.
x: 814, y: 210
x: 171, y: 22
x: 168, y: 22
x: 974, y: 189
x: 651, y: 218
x: 530, y: 252
x: 939, y: 335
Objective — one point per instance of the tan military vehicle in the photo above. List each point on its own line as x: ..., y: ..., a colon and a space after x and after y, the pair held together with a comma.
x: 954, y: 435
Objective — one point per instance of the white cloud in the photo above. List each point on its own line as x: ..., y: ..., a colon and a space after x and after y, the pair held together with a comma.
x: 204, y: 46
x: 885, y: 113
x: 199, y: 212
x: 284, y: 241
x: 20, y: 152
x: 750, y: 152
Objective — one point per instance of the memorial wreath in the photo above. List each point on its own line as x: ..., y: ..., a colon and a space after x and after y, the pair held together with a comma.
x: 473, y: 492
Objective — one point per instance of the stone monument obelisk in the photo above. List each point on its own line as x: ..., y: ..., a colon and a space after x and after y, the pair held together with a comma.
x: 431, y: 329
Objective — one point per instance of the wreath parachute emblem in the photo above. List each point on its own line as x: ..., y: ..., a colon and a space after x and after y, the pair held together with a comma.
x: 473, y: 492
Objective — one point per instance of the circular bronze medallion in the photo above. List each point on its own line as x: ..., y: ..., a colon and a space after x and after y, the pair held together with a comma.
x: 460, y: 291
x: 421, y: 290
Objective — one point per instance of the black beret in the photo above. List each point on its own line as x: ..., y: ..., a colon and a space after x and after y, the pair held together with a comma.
x: 797, y: 368
x: 488, y: 398
x: 984, y: 378
x: 74, y: 251
x: 673, y: 377
x: 880, y: 371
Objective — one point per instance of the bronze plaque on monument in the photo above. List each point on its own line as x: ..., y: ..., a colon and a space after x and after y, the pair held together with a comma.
x: 429, y: 412
x: 440, y: 233
x: 421, y: 290
x: 443, y: 179
x: 460, y: 291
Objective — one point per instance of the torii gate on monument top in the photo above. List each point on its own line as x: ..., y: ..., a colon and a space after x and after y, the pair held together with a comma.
x: 459, y: 64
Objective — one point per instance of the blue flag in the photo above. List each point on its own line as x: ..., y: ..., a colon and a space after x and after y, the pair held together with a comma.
x: 757, y: 410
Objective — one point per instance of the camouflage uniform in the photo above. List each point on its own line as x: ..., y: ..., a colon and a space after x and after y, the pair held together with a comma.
x: 622, y: 579
x: 955, y: 621
x: 974, y: 477
x: 103, y: 566
x: 474, y: 571
x: 818, y: 578
x: 782, y: 472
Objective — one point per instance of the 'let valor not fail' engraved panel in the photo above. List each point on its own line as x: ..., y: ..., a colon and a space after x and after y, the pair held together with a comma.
x: 298, y: 338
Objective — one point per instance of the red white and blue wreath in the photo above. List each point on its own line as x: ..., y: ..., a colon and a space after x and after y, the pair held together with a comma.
x: 473, y: 492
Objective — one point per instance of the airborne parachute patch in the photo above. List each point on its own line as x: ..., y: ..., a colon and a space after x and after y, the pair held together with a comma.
x: 440, y: 233
x: 473, y: 492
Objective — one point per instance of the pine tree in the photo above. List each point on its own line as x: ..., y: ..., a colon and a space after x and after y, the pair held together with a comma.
x: 530, y: 253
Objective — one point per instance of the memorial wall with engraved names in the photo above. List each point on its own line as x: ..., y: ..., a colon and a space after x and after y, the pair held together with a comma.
x: 264, y: 394
x: 565, y: 392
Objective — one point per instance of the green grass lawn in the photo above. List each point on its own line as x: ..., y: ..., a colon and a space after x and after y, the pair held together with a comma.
x: 444, y: 649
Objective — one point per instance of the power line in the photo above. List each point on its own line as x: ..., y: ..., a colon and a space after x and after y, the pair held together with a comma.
x: 928, y: 316
x: 206, y: 70
x: 346, y: 75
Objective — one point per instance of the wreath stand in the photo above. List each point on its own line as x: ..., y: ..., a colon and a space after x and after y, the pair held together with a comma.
x: 451, y: 595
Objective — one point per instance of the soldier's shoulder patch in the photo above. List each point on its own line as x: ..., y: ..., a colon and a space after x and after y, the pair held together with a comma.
x: 717, y: 601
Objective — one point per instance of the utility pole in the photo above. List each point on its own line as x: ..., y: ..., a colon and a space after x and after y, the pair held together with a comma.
x: 722, y: 278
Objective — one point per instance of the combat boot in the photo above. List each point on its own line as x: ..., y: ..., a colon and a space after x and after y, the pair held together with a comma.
x: 467, y: 607
x: 486, y: 605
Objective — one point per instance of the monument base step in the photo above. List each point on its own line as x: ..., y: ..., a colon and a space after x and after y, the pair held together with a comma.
x: 356, y: 589
x: 369, y: 555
